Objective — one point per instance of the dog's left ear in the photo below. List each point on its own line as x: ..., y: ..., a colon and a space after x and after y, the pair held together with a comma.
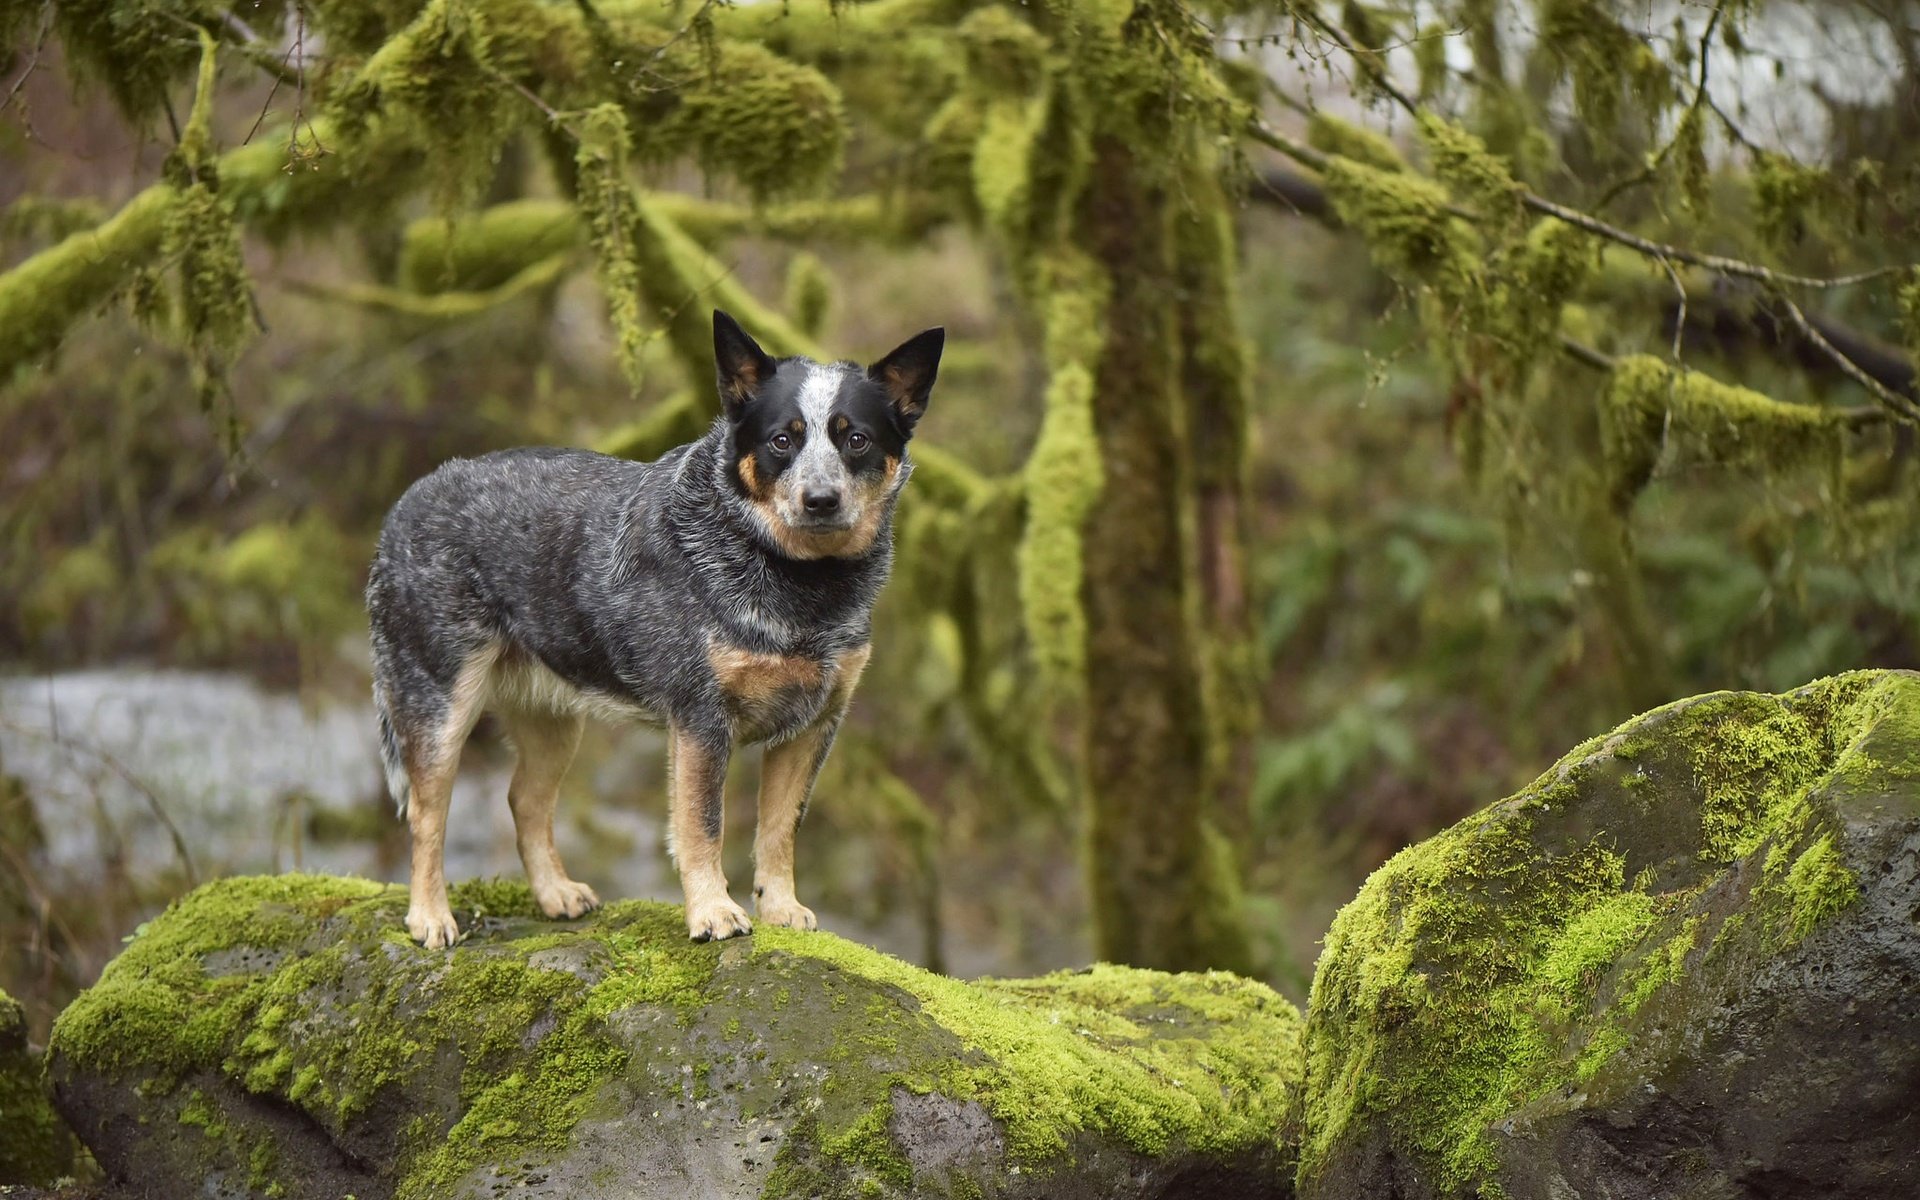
x: 907, y: 374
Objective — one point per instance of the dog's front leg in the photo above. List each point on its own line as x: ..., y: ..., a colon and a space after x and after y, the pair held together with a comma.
x: 697, y: 815
x: 786, y: 781
x: 786, y: 784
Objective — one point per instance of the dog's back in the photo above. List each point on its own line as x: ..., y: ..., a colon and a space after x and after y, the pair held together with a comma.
x: 487, y: 556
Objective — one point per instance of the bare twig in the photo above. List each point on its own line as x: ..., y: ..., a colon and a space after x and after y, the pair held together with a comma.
x: 33, y: 62
x: 1646, y: 173
x: 1901, y: 406
x: 53, y: 736
x: 1718, y: 264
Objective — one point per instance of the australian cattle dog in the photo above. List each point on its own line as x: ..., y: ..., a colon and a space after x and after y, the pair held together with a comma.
x: 723, y: 591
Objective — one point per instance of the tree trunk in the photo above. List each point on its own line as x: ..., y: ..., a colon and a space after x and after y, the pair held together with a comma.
x: 1164, y: 889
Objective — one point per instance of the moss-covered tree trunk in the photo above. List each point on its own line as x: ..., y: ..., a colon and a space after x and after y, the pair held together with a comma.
x: 1164, y: 891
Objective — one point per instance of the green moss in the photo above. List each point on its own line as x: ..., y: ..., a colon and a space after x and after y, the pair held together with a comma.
x: 1148, y: 1059
x: 1063, y: 479
x: 607, y: 201
x: 1650, y: 411
x: 1335, y: 136
x: 304, y: 989
x: 1405, y: 221
x: 1463, y: 162
x: 1908, y: 298
x: 37, y: 1149
x: 1788, y: 197
x: 741, y: 110
x: 1005, y: 55
x: 1522, y: 951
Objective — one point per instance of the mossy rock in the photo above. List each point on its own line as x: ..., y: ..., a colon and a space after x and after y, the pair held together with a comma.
x: 282, y: 1036
x: 35, y: 1147
x: 1685, y: 962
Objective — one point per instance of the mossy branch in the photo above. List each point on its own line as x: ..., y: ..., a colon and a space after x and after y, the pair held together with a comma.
x: 1900, y: 407
x: 441, y: 306
x: 41, y: 298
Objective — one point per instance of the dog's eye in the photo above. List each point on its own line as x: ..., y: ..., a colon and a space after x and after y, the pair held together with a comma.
x: 856, y: 442
x: 782, y: 442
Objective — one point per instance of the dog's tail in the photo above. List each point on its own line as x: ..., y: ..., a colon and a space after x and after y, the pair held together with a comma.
x: 398, y: 785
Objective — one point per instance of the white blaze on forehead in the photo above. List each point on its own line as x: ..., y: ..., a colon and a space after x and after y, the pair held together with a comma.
x: 818, y: 458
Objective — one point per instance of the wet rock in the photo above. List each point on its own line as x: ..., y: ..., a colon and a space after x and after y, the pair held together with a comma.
x: 282, y: 1036
x: 1685, y: 962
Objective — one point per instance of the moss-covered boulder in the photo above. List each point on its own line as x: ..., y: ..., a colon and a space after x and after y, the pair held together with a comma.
x: 282, y: 1036
x: 35, y: 1147
x: 1685, y: 962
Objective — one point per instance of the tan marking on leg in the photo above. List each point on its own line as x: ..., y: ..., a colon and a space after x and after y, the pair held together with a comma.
x: 430, y: 770
x: 786, y: 782
x: 546, y: 745
x: 699, y: 779
x: 429, y: 915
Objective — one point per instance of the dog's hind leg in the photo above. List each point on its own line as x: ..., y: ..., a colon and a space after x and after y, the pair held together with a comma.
x: 546, y: 744
x: 432, y: 759
x: 697, y: 764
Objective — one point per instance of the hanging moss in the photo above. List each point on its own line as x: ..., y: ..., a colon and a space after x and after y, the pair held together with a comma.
x: 447, y: 79
x: 1651, y: 412
x: 1463, y: 162
x: 137, y: 51
x: 214, y: 302
x: 1689, y: 157
x: 1405, y: 222
x: 1789, y: 198
x: 1006, y: 56
x: 607, y: 201
x: 777, y: 127
x: 1064, y: 478
x: 1908, y: 299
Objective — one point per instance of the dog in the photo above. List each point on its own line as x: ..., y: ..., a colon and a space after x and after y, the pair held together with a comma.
x: 724, y: 591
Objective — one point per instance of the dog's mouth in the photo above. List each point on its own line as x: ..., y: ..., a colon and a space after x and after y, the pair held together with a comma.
x: 821, y: 525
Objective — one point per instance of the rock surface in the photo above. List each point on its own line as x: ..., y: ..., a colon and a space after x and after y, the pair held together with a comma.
x: 35, y: 1147
x: 281, y: 1036
x: 1685, y: 962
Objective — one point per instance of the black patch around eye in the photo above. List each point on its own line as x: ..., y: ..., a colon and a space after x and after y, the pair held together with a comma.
x: 863, y: 407
x: 773, y: 410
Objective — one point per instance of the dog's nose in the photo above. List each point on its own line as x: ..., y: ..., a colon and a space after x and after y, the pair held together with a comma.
x: 821, y: 503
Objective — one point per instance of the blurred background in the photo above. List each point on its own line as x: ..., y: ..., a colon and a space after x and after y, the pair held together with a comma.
x: 183, y: 661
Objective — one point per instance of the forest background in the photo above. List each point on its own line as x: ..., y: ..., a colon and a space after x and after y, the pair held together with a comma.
x: 1346, y: 412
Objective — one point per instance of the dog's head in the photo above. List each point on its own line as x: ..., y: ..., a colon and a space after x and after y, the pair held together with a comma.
x: 818, y: 448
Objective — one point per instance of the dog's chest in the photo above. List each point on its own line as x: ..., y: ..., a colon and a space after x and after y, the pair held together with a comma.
x: 771, y: 696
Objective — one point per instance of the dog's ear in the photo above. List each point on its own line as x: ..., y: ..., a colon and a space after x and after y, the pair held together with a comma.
x: 907, y: 374
x: 739, y: 362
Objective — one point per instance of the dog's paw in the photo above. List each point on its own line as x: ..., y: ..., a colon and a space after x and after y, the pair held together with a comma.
x: 788, y: 913
x: 714, y: 920
x: 434, y: 929
x: 565, y: 899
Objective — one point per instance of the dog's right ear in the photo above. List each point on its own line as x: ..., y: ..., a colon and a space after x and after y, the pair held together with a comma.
x: 739, y: 362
